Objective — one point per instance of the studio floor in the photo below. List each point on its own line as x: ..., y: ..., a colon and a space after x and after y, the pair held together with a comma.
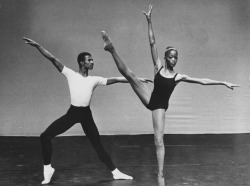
x: 191, y: 160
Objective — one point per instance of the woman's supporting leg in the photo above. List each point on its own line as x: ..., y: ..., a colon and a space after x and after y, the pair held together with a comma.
x: 159, y: 126
x: 142, y: 91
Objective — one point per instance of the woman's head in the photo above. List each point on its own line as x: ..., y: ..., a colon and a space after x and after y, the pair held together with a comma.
x: 171, y: 56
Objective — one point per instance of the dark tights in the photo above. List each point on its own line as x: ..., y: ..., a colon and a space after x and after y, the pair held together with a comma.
x: 75, y: 115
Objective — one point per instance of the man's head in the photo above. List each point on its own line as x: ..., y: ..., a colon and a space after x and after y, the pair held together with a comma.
x: 85, y: 59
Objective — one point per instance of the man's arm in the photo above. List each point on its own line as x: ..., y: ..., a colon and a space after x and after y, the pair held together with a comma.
x: 56, y: 62
x: 204, y: 81
x: 151, y: 36
x: 113, y: 80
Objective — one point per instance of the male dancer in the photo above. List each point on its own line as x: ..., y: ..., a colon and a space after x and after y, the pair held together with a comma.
x: 81, y: 87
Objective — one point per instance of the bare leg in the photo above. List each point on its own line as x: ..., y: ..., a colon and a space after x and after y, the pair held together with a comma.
x: 159, y: 126
x: 142, y: 91
x: 144, y: 94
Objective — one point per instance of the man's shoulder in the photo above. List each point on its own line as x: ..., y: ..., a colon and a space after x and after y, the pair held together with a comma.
x: 67, y: 70
x: 99, y: 80
x: 96, y: 77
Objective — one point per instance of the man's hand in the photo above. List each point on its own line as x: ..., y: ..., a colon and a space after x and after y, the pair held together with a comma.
x: 148, y: 14
x: 30, y: 42
x: 145, y: 80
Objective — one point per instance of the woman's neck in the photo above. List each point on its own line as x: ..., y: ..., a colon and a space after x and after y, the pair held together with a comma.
x: 168, y: 70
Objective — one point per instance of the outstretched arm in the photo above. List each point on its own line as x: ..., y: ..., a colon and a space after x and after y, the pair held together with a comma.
x: 154, y: 53
x: 45, y: 53
x: 113, y: 80
x: 205, y: 81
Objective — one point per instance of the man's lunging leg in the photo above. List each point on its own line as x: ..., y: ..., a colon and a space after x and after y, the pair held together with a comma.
x: 57, y: 127
x: 92, y: 133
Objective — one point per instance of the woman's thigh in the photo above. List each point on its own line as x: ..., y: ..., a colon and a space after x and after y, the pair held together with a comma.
x: 140, y: 88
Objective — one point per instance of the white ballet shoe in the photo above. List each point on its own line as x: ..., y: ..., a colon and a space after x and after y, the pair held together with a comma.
x: 108, y: 46
x: 47, y: 173
x: 117, y: 175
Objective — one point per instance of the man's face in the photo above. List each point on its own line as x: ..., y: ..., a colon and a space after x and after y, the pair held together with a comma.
x: 88, y: 63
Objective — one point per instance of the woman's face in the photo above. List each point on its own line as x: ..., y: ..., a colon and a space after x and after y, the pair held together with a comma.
x: 171, y: 58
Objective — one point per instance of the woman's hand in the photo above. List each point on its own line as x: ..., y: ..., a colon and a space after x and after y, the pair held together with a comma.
x: 30, y: 42
x: 231, y: 86
x: 148, y: 14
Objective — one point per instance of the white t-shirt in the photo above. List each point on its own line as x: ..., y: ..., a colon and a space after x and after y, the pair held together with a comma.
x: 81, y: 88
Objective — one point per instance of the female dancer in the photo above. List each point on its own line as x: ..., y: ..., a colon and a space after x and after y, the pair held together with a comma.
x: 164, y: 83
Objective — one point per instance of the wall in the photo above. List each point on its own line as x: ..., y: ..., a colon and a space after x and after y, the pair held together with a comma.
x: 212, y: 38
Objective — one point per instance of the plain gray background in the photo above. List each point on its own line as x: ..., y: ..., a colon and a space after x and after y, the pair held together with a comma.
x: 212, y: 38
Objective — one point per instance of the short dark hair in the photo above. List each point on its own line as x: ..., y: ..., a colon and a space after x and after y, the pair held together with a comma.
x: 168, y: 49
x: 81, y: 56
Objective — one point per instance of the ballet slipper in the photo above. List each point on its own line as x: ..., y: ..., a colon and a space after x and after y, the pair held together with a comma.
x: 117, y: 175
x: 108, y: 46
x: 47, y: 173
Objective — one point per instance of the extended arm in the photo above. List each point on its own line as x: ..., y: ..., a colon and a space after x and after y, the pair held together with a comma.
x: 45, y: 53
x: 113, y: 80
x: 154, y: 53
x: 205, y: 81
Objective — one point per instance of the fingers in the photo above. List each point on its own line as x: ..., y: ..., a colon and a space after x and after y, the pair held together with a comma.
x: 149, y: 80
x: 149, y: 11
x: 232, y: 86
x: 25, y: 39
x: 150, y: 8
x: 235, y: 85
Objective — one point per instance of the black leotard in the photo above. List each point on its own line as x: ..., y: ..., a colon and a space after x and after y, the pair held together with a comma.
x: 163, y: 88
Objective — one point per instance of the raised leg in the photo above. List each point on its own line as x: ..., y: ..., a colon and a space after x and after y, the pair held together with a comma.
x: 142, y: 91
